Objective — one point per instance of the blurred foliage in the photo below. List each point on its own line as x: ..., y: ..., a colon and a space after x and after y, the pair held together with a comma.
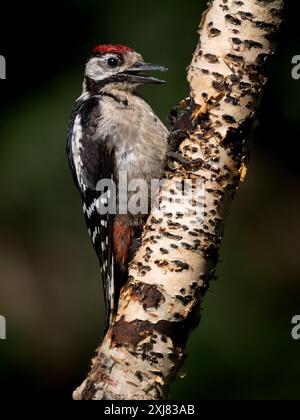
x: 50, y: 291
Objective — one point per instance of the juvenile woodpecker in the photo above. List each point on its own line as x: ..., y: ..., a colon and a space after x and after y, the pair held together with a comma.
x: 112, y: 130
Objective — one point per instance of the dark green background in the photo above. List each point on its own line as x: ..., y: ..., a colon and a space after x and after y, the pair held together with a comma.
x: 50, y: 288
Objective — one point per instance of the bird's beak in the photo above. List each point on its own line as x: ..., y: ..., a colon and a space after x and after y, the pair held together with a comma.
x: 135, y: 77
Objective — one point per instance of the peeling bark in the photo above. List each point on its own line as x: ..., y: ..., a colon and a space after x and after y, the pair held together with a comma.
x: 170, y: 273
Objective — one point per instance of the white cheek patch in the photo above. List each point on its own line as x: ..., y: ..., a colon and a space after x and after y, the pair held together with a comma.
x: 95, y: 71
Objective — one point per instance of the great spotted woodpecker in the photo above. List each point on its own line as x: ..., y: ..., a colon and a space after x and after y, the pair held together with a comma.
x: 113, y: 130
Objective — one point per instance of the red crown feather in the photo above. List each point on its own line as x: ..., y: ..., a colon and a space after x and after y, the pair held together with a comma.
x: 114, y: 49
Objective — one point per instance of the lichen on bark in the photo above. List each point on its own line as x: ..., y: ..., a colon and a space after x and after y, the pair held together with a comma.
x: 170, y: 273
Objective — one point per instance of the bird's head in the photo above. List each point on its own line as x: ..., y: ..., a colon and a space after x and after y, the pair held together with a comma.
x: 120, y: 66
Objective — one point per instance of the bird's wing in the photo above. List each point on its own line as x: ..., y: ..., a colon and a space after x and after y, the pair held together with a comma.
x: 91, y: 161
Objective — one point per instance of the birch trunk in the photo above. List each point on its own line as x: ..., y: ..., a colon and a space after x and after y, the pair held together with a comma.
x: 142, y: 353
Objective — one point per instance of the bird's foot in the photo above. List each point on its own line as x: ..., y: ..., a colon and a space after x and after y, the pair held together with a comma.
x: 133, y: 248
x: 186, y: 163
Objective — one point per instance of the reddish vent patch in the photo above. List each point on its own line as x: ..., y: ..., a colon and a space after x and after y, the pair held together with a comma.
x: 122, y: 239
x: 114, y: 49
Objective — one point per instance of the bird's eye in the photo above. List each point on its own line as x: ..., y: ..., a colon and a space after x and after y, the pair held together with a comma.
x: 113, y: 62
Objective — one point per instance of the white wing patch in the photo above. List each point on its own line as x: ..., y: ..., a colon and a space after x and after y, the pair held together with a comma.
x: 95, y: 233
x: 111, y: 291
x: 90, y: 210
x: 76, y: 150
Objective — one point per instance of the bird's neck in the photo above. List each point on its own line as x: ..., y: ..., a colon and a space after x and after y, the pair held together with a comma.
x: 122, y: 91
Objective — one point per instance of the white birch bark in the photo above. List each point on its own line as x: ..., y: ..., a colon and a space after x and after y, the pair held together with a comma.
x: 141, y: 355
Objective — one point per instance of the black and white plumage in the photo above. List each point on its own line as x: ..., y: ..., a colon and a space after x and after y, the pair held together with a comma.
x: 90, y: 161
x: 112, y: 129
